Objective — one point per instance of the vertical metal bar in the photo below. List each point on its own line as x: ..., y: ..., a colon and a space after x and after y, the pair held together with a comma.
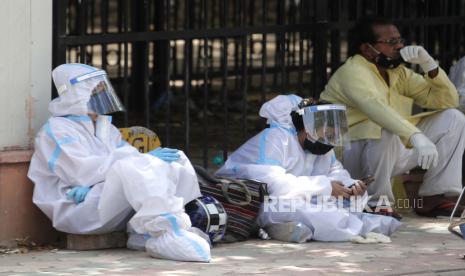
x: 283, y: 60
x: 167, y: 63
x: 176, y: 17
x: 119, y: 21
x: 146, y: 66
x: 92, y: 17
x: 187, y: 47
x: 264, y: 52
x: 301, y: 51
x: 139, y: 10
x: 307, y: 46
x: 282, y: 43
x: 292, y: 37
x: 104, y: 26
x: 212, y: 13
x: 459, y: 31
x: 175, y: 47
x: 335, y: 37
x: 444, y: 38
x: 321, y: 43
x: 236, y: 20
x: 82, y: 11
x: 278, y: 45
x: 168, y: 105
x: 301, y: 60
x: 205, y: 87
x: 161, y: 53
x: 187, y: 80
x: 250, y: 15
x: 244, y: 75
x: 224, y: 86
x: 72, y: 21
x: 167, y: 12
x: 126, y: 60
x: 281, y: 52
x: 59, y: 31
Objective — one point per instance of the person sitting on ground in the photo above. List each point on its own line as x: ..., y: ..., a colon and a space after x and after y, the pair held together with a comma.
x: 90, y: 181
x: 386, y: 139
x: 295, y: 157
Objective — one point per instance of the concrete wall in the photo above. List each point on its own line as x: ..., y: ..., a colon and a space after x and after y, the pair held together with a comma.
x: 25, y: 65
x: 25, y: 90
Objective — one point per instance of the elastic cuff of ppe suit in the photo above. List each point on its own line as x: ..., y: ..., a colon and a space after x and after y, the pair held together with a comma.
x: 428, y: 66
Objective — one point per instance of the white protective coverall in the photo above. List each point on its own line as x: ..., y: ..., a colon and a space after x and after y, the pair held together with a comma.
x: 275, y: 157
x: 68, y: 154
x: 457, y: 76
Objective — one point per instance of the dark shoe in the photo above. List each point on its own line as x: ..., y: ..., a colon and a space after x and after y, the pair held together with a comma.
x: 384, y: 211
x: 438, y: 205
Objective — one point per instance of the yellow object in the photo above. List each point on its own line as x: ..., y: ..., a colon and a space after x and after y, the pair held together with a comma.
x: 398, y: 188
x: 373, y: 105
x: 141, y: 138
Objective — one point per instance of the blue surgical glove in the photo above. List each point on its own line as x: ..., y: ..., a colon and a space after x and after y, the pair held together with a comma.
x: 166, y: 154
x: 78, y: 194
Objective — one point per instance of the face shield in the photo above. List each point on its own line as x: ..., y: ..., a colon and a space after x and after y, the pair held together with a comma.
x: 326, y: 124
x: 103, y: 99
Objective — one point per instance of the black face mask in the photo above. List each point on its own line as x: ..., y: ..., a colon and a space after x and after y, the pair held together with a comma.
x: 387, y: 62
x: 317, y: 148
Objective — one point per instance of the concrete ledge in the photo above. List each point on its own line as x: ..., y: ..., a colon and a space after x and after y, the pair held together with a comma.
x: 15, y: 156
x: 19, y: 217
x: 93, y: 242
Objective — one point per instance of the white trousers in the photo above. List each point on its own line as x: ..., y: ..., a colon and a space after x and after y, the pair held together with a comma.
x: 329, y: 223
x: 388, y: 157
x: 140, y: 183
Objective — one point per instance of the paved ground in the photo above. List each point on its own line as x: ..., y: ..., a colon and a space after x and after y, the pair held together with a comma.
x: 420, y: 247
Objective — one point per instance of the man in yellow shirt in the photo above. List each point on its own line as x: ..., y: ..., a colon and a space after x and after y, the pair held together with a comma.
x: 386, y: 140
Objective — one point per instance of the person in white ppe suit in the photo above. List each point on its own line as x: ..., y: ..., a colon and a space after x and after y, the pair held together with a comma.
x: 457, y: 76
x: 298, y: 163
x: 90, y: 181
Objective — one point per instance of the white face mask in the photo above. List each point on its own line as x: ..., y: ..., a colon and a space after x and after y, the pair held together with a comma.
x: 102, y: 128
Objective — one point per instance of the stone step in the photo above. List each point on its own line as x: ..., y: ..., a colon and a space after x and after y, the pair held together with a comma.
x: 94, y: 242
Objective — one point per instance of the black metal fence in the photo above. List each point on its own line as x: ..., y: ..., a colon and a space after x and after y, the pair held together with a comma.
x: 196, y: 71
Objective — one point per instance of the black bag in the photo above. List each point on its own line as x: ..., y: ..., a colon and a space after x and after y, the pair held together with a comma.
x: 241, y: 199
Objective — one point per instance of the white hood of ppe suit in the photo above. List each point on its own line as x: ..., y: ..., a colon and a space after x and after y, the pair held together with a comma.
x: 278, y: 110
x: 72, y: 99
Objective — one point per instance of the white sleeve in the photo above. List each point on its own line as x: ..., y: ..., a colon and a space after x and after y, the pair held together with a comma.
x: 75, y: 163
x: 285, y: 184
x: 264, y: 158
x: 338, y: 173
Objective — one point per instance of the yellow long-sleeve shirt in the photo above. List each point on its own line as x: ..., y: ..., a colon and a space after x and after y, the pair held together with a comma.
x: 372, y: 104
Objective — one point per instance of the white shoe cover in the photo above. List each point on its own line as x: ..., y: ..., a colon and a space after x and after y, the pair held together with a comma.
x: 289, y: 232
x: 176, y: 243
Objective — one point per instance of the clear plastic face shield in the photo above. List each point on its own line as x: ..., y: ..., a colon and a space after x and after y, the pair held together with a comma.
x: 326, y: 124
x: 103, y: 99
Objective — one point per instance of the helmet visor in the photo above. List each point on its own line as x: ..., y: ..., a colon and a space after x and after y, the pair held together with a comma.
x: 326, y: 124
x: 103, y: 99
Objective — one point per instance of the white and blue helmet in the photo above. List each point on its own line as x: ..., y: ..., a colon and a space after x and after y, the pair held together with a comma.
x: 208, y: 214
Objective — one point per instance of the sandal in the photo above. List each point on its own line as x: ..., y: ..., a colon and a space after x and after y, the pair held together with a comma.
x: 444, y: 207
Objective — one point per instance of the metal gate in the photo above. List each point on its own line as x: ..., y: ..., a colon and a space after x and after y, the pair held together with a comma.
x: 196, y: 71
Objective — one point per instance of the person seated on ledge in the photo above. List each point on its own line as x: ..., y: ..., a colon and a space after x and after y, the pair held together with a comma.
x: 311, y: 195
x: 386, y: 139
x: 90, y: 181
